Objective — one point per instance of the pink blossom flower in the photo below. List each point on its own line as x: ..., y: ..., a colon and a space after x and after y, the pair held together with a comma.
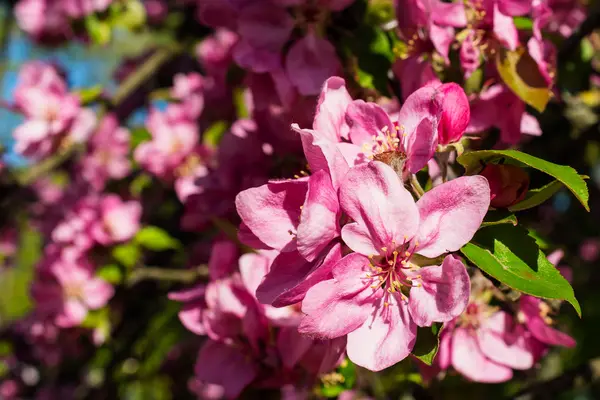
x: 498, y: 106
x: 53, y: 117
x: 484, y: 345
x: 364, y: 299
x: 118, y: 220
x: 174, y: 137
x: 534, y: 313
x: 107, y: 156
x: 44, y: 20
x: 66, y: 291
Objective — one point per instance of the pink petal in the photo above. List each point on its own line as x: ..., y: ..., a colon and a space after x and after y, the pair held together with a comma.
x: 530, y: 125
x: 505, y: 30
x: 253, y: 268
x: 330, y: 115
x: 272, y: 211
x: 443, y: 293
x: 323, y: 154
x: 496, y: 344
x: 338, y: 306
x: 223, y: 258
x: 419, y: 118
x: 468, y: 359
x: 319, y: 217
x: 292, y: 346
x: 385, y: 338
x: 97, y: 293
x: 227, y: 366
x: 451, y: 213
x: 309, y: 62
x: 185, y: 295
x: 367, y: 120
x: 455, y: 113
x: 442, y: 38
x: 374, y: 197
x: 548, y: 335
x: 191, y: 317
x: 514, y: 7
x: 444, y: 355
x: 73, y: 313
x: 448, y: 14
x: 291, y: 276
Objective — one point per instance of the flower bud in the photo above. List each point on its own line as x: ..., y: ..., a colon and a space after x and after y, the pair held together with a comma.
x: 508, y: 184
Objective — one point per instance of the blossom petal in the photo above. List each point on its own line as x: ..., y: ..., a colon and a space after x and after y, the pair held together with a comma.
x: 451, y: 213
x: 468, y: 359
x: 272, y: 210
x: 443, y: 293
x: 548, y: 335
x: 227, y: 366
x: 323, y: 154
x: 319, y: 217
x: 505, y: 30
x: 497, y: 344
x: 367, y: 120
x: 455, y: 113
x: 385, y: 338
x: 291, y: 276
x: 331, y: 109
x: 338, y: 306
x: 374, y: 197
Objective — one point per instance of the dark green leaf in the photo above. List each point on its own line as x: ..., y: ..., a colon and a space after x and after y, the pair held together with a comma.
x: 428, y: 343
x: 473, y: 160
x: 512, y: 256
x: 535, y: 197
x: 499, y: 217
x: 156, y: 239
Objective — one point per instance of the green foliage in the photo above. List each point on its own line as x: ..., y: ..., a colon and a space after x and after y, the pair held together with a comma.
x: 566, y: 175
x: 90, y: 94
x: 15, y: 282
x: 127, y: 254
x: 333, y: 384
x: 535, y: 197
x: 111, y: 273
x: 156, y: 239
x: 212, y: 136
x: 498, y: 218
x: 99, y: 31
x: 428, y: 343
x: 512, y: 256
x: 139, y: 135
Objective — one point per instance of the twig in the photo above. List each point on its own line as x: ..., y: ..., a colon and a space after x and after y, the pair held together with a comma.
x: 164, y: 274
x: 416, y: 186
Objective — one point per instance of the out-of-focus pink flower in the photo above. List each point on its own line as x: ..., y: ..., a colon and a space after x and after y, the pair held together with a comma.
x: 389, y: 228
x: 484, y: 345
x: 107, y: 156
x: 82, y: 8
x: 562, y: 16
x: 44, y: 20
x: 498, y: 106
x: 174, y: 137
x: 189, y: 90
x: 74, y: 232
x: 309, y: 62
x: 589, y: 250
x: 67, y: 290
x: 53, y: 117
x: 118, y: 220
x: 535, y: 314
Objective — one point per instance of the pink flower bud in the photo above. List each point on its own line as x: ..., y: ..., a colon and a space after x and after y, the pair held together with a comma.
x: 508, y: 184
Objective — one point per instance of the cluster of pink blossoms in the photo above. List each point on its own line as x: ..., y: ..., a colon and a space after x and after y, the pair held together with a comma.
x: 349, y: 260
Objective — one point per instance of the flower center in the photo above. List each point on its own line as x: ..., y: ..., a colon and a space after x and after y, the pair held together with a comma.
x: 390, y: 270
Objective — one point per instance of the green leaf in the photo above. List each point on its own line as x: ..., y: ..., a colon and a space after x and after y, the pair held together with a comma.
x: 127, y: 254
x: 111, y: 273
x: 212, y: 136
x: 473, y: 160
x: 89, y: 95
x: 520, y: 73
x: 343, y: 378
x: 499, y: 217
x: 523, y: 23
x: 512, y: 256
x: 139, y: 183
x: 139, y: 135
x: 100, y: 31
x: 535, y: 197
x: 374, y: 54
x: 428, y: 343
x: 156, y: 239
